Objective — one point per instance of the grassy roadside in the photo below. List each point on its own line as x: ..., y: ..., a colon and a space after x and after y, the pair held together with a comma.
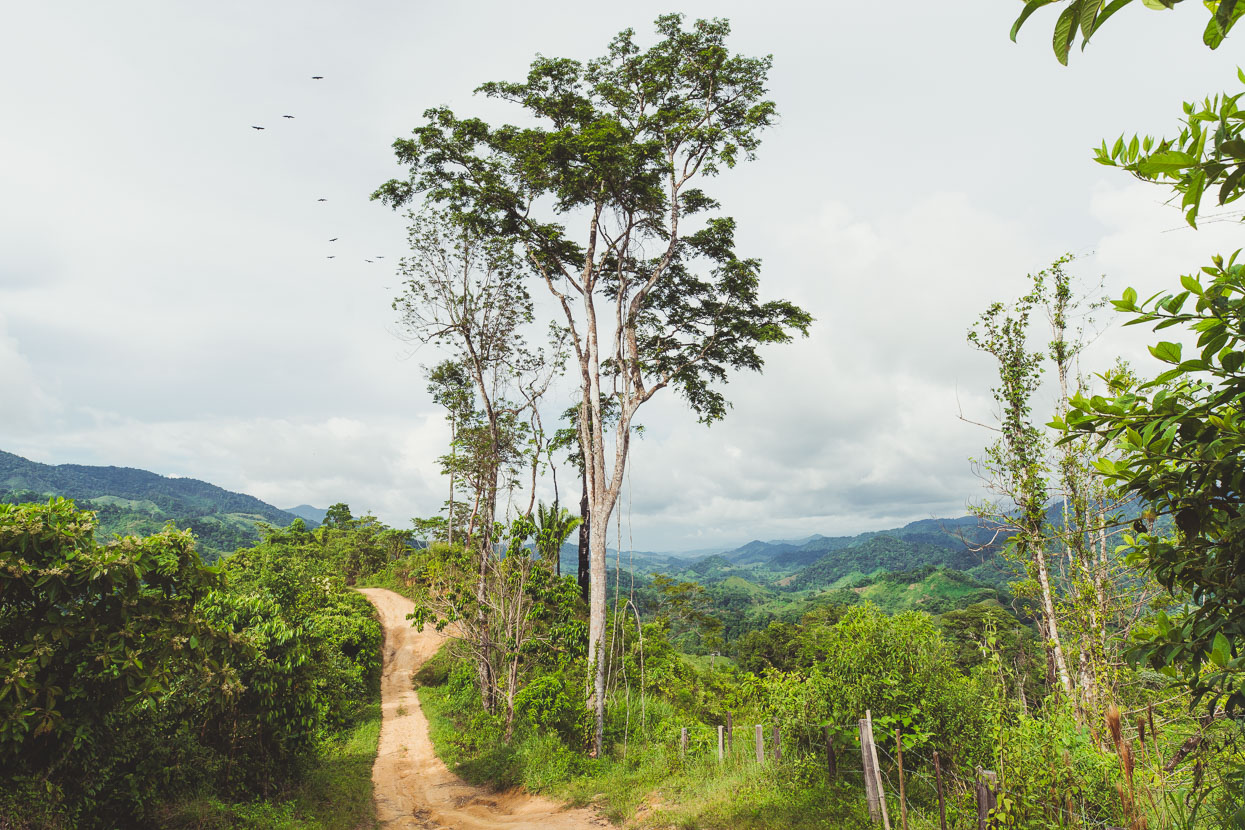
x: 652, y: 787
x: 335, y: 794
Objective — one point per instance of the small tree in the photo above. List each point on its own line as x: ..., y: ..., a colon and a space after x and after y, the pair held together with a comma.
x: 465, y: 293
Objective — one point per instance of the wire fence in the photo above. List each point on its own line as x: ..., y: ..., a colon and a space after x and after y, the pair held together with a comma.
x: 920, y: 790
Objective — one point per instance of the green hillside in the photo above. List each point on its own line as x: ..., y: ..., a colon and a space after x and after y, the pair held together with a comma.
x: 130, y: 501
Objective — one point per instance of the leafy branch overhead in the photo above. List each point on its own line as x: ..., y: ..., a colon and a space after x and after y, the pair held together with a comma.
x: 1181, y: 438
x: 1208, y: 153
x: 1084, y: 18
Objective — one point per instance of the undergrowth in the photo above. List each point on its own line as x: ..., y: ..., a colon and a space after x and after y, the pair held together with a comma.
x: 334, y: 794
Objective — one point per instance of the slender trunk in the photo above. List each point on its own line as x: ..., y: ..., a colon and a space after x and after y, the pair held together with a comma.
x: 1048, y: 611
x: 453, y: 453
x: 585, y: 526
x: 596, y: 631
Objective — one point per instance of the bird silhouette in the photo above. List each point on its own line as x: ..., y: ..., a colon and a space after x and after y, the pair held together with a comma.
x: 253, y: 127
x: 317, y: 77
x: 367, y: 260
x: 334, y: 256
x: 287, y: 116
x: 334, y: 239
x: 321, y: 200
x: 380, y: 257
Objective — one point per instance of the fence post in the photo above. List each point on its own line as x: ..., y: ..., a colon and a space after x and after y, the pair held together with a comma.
x: 942, y: 804
x: 903, y: 798
x: 760, y: 744
x: 777, y: 743
x: 721, y: 742
x: 871, y: 781
x: 832, y: 763
x: 730, y: 733
x: 987, y: 797
x: 877, y: 771
x: 683, y: 741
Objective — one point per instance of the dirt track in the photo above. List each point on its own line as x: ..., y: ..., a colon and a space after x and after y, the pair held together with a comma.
x: 411, y: 787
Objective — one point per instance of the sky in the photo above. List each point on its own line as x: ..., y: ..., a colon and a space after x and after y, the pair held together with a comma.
x: 168, y: 300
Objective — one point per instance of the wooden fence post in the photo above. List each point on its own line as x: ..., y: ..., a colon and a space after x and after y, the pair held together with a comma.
x: 871, y: 781
x: 987, y: 797
x: 683, y: 741
x: 760, y: 744
x: 730, y: 733
x: 903, y: 799
x: 877, y: 770
x: 777, y: 743
x: 832, y: 763
x: 942, y: 804
x: 721, y: 742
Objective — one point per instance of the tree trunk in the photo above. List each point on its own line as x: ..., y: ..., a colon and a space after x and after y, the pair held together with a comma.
x: 1052, y: 628
x: 585, y: 527
x: 596, y: 631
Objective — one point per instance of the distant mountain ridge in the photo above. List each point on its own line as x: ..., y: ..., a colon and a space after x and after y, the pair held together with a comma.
x: 130, y: 500
x: 819, y: 563
x: 312, y: 515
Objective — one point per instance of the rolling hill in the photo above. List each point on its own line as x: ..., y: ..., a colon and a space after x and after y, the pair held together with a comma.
x: 132, y: 501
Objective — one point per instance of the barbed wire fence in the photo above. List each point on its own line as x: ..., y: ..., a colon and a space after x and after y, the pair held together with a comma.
x: 913, y: 790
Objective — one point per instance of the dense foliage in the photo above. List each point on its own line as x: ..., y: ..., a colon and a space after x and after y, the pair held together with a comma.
x: 136, y: 676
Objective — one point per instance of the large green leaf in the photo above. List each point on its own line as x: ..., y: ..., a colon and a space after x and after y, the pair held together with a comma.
x: 1065, y: 31
x: 1030, y: 8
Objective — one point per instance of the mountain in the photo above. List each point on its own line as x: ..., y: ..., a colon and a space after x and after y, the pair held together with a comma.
x: 886, y: 553
x: 313, y: 516
x: 132, y: 501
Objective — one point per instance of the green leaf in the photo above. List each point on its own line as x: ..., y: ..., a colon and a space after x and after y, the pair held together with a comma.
x: 1165, y: 162
x: 1089, y: 11
x: 1166, y: 351
x: 1065, y: 31
x: 1224, y: 16
x: 1230, y: 189
x: 1221, y: 651
x: 1191, y: 284
x: 1111, y: 9
x: 1130, y: 297
x: 1214, y: 34
x: 1030, y: 8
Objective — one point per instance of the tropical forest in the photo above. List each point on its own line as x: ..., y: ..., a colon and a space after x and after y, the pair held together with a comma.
x: 530, y: 645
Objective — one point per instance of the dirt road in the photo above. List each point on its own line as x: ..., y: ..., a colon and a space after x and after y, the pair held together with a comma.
x: 411, y: 787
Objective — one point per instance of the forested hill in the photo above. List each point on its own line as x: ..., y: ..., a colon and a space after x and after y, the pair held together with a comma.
x: 129, y: 500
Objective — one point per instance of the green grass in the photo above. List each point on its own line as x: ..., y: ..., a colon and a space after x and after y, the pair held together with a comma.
x: 653, y: 785
x: 335, y: 794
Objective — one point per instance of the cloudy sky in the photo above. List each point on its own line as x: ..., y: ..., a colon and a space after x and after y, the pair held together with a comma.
x: 167, y: 300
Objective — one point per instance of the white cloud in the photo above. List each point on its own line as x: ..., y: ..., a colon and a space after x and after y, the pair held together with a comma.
x: 24, y: 403
x: 169, y: 302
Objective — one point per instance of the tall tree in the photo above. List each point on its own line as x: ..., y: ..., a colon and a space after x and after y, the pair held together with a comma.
x: 653, y: 295
x: 1017, y: 459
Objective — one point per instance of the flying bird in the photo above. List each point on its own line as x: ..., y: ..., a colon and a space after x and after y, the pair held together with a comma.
x: 334, y: 256
x: 317, y: 77
x: 321, y: 200
x: 334, y: 239
x: 253, y: 127
x: 367, y: 260
x: 380, y: 257
x: 287, y: 116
